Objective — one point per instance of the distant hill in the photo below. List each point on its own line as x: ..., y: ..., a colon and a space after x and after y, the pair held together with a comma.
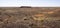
x: 25, y: 7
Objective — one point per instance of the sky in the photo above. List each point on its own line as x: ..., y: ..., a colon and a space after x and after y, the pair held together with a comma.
x: 38, y: 3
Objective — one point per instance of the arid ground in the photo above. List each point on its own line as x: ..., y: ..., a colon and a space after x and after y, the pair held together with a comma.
x: 29, y: 17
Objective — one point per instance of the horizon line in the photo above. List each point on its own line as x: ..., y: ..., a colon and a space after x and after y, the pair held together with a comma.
x: 30, y: 6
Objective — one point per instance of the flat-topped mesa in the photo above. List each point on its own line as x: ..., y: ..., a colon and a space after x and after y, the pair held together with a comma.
x: 25, y: 7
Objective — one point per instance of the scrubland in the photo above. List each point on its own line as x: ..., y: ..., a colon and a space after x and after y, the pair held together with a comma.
x: 34, y: 17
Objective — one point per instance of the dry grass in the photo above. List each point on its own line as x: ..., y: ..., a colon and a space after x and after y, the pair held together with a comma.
x: 36, y: 17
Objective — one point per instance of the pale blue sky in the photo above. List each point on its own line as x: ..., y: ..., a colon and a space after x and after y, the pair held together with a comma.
x: 29, y: 3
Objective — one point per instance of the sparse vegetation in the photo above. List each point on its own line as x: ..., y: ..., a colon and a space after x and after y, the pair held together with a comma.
x: 30, y: 17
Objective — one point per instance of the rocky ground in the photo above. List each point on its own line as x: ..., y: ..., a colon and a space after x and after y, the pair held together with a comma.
x: 38, y: 17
